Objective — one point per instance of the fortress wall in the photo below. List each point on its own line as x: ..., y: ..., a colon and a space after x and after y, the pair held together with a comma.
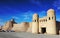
x: 20, y: 27
x: 16, y: 27
x: 30, y: 27
x: 7, y: 26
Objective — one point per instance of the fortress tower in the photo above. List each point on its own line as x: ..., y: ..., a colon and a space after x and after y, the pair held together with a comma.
x: 35, y: 24
x: 8, y: 26
x: 51, y: 22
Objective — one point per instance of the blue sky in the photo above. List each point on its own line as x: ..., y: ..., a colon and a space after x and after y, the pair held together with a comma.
x: 22, y: 10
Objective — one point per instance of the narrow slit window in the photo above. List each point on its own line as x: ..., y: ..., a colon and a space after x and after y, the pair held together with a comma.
x: 52, y: 18
x: 49, y: 18
x: 46, y: 20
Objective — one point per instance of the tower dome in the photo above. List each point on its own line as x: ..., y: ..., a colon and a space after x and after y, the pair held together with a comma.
x: 35, y: 16
x: 51, y: 12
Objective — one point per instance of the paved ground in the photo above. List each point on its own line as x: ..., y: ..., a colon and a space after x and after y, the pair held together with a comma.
x: 25, y: 35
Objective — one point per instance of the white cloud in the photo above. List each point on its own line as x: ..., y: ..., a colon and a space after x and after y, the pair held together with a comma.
x: 15, y: 17
x: 58, y: 7
x: 57, y: 4
x: 27, y: 15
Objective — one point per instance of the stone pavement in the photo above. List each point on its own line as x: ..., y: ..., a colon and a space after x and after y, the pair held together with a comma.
x: 25, y: 35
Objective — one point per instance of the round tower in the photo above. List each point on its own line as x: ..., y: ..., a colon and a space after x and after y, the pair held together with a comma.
x: 51, y: 22
x: 10, y: 24
x: 35, y: 24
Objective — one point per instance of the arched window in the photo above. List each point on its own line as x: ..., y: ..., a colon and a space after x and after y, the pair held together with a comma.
x: 49, y: 18
x: 35, y: 20
x: 46, y: 20
x: 52, y: 18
